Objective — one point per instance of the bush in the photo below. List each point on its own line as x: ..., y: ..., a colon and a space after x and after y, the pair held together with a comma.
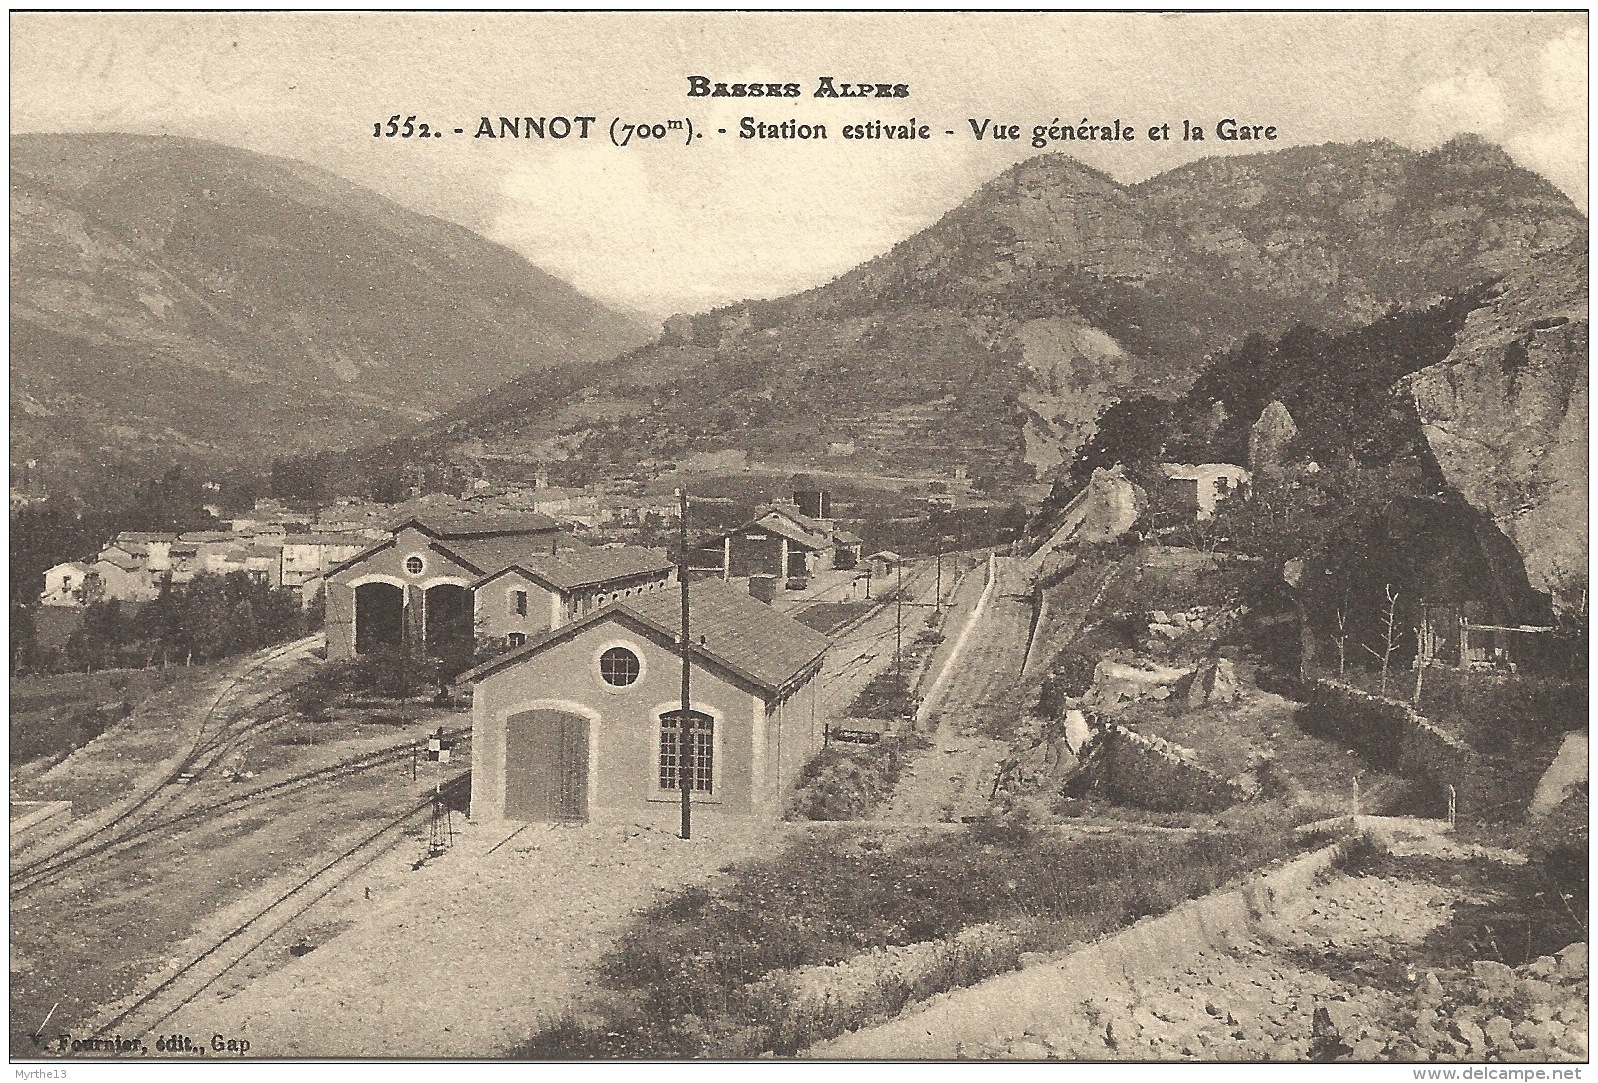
x: 848, y: 782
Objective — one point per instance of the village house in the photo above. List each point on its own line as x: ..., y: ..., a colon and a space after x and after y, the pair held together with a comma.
x: 66, y: 585
x: 1201, y: 488
x: 306, y: 558
x: 121, y: 577
x: 152, y: 550
x: 416, y: 586
x: 585, y: 721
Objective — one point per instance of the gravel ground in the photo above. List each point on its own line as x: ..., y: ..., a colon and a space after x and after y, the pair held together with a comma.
x: 1291, y: 994
x: 476, y: 951
x: 954, y: 777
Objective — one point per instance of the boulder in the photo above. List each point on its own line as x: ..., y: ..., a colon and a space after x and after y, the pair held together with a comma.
x: 1215, y: 682
x: 1573, y: 961
x: 1272, y: 442
x: 1077, y: 734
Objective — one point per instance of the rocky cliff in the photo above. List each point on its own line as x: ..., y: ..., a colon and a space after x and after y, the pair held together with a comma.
x: 997, y: 336
x: 1506, y: 414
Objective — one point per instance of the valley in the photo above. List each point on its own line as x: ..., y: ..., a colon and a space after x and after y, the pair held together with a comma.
x: 1125, y: 621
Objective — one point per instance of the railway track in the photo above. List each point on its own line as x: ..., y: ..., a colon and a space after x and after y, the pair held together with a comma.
x: 25, y: 879
x: 189, y: 981
x: 211, y: 742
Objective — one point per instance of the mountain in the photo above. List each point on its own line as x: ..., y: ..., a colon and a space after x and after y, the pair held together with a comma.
x: 179, y: 299
x: 996, y: 337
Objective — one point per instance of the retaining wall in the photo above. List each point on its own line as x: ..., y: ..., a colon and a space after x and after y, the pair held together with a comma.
x: 1042, y: 997
x: 1143, y: 772
x: 1393, y: 737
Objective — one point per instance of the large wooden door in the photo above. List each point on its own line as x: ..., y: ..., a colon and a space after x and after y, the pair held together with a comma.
x: 546, y: 766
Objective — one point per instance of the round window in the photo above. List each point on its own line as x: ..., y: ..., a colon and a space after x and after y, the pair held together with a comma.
x: 619, y: 667
x: 414, y: 565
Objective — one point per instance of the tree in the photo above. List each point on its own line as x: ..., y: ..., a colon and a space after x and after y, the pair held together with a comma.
x: 1390, y: 642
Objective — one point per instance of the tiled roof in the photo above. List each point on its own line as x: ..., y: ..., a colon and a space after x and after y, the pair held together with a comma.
x: 585, y: 567
x: 121, y: 559
x: 450, y: 524
x: 145, y: 536
x: 726, y: 626
x: 730, y: 626
x: 778, y: 524
x: 848, y: 537
x: 326, y: 539
x: 490, y: 554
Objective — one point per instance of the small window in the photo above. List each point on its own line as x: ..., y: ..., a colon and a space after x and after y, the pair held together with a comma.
x: 619, y: 667
x: 701, y: 766
x: 414, y: 565
x: 517, y: 639
x: 518, y: 602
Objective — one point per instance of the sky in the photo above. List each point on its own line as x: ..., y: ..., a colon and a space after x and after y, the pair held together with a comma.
x: 684, y: 225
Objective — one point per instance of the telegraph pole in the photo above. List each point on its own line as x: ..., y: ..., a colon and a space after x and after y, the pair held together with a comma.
x: 685, y: 776
x: 898, y: 635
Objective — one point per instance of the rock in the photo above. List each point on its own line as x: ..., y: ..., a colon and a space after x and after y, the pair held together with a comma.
x: 1471, y: 1035
x: 1271, y: 442
x: 1545, y: 966
x: 1339, y: 1015
x: 1573, y: 961
x: 1532, y: 991
x: 1077, y: 733
x: 1430, y: 993
x: 1402, y: 1049
x: 1499, y: 1032
x: 1169, y: 631
x: 1367, y: 1049
x: 1495, y: 979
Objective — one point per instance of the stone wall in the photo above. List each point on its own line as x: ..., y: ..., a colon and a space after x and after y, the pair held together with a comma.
x: 1392, y: 737
x: 1148, y: 773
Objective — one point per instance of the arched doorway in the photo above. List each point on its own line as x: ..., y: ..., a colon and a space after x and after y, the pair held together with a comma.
x: 447, y: 621
x: 379, y: 617
x: 546, y: 766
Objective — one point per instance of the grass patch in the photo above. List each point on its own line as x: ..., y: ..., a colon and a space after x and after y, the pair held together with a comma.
x: 828, y: 617
x: 886, y: 696
x: 52, y: 714
x: 848, y: 782
x: 843, y: 930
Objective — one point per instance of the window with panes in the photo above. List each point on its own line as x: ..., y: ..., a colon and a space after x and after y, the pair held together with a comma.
x: 701, y: 748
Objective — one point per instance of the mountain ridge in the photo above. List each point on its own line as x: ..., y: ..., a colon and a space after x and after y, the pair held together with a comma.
x: 175, y: 297
x: 1053, y: 290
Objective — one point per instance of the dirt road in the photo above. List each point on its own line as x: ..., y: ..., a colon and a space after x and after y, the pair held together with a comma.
x: 473, y: 954
x: 978, y: 701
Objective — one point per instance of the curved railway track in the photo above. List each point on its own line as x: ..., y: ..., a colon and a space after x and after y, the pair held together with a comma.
x: 212, y: 741
x: 33, y: 876
x: 160, y: 1003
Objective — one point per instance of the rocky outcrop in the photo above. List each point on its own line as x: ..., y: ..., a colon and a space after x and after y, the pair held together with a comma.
x: 1106, y: 508
x: 1272, y: 442
x: 1505, y: 414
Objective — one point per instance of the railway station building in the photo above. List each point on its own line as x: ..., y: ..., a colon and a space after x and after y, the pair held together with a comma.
x: 416, y: 585
x: 585, y: 721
